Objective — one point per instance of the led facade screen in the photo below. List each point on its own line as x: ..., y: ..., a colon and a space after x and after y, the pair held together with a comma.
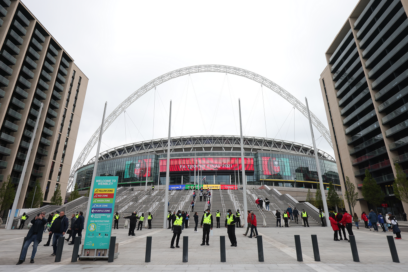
x: 138, y: 168
x: 273, y: 166
x: 206, y: 164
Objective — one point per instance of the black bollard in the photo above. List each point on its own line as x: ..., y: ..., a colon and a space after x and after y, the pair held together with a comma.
x: 393, y: 249
x: 185, y: 249
x: 60, y: 247
x: 260, y: 248
x: 353, y: 246
x: 75, y: 250
x: 148, y: 249
x: 25, y: 239
x: 315, y: 248
x: 222, y: 249
x: 112, y: 245
x: 298, y: 249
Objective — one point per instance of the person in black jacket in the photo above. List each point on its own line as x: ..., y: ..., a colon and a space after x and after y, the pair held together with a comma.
x: 296, y: 215
x: 230, y: 225
x: 176, y: 229
x: 58, y: 229
x: 24, y: 217
x: 207, y: 221
x: 173, y: 218
x: 78, y: 227
x: 195, y: 221
x: 132, y: 218
x: 278, y: 218
x: 34, y: 235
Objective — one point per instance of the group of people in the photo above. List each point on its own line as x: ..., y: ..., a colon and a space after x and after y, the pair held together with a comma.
x: 133, y: 221
x: 290, y: 214
x: 204, y: 194
x: 57, y: 224
x: 387, y: 223
x: 259, y: 203
x: 172, y: 217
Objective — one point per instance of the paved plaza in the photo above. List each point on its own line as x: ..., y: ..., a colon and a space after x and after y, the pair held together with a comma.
x: 279, y: 252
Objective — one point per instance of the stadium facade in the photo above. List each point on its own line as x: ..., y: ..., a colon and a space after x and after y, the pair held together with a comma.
x: 217, y: 162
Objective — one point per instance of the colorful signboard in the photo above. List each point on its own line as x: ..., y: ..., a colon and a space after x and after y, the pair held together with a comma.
x: 98, y: 230
x: 205, y: 187
x: 206, y: 164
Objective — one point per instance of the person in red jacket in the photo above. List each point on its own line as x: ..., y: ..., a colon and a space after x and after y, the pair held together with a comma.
x: 253, y: 226
x: 347, y: 221
x: 334, y: 225
x: 365, y: 219
x: 257, y: 202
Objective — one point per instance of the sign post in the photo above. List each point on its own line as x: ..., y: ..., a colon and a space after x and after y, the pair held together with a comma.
x: 100, y: 216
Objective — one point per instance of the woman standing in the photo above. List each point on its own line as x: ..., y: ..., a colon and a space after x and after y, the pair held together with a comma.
x: 365, y: 219
x: 355, y: 219
x: 195, y: 221
x: 335, y: 227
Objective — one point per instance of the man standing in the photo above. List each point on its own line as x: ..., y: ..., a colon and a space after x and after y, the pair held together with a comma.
x: 305, y: 217
x: 207, y: 221
x: 321, y: 215
x: 290, y: 213
x: 116, y: 225
x: 267, y: 204
x: 286, y: 218
x: 201, y: 195
x: 230, y: 225
x: 141, y: 220
x: 348, y: 221
x: 78, y: 227
x: 58, y: 229
x: 249, y: 223
x: 152, y: 187
x: 132, y: 223
x: 217, y: 216
x: 296, y: 215
x: 24, y: 217
x: 149, y: 220
x: 372, y: 216
x: 238, y: 219
x: 71, y: 227
x: 253, y: 225
x: 169, y: 217
x: 278, y: 218
x: 178, y: 222
x: 34, y: 236
x: 261, y: 203
x: 173, y: 218
x: 55, y: 216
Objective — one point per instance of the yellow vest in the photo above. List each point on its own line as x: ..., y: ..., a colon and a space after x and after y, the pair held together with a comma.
x: 237, y: 215
x: 77, y: 216
x: 218, y: 214
x: 24, y: 217
x: 321, y: 215
x: 141, y: 218
x: 168, y: 216
x: 304, y: 214
x: 55, y: 217
x: 335, y: 214
x: 149, y: 217
x: 117, y: 217
x: 207, y: 219
x: 285, y: 215
x: 178, y: 221
x: 230, y: 220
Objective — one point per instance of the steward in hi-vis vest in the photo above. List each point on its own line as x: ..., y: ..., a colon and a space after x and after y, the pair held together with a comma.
x: 230, y: 225
x: 305, y: 218
x: 24, y: 217
x: 217, y: 217
x: 237, y: 219
x: 149, y: 220
x: 141, y: 219
x: 178, y: 222
x: 116, y: 223
x: 207, y: 225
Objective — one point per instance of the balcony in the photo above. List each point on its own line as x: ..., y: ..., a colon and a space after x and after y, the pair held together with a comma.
x: 36, y: 173
x: 60, y: 78
x: 4, y: 81
x: 19, y: 28
x: 384, y: 179
x: 34, y: 113
x: 60, y: 88
x: 391, y: 86
x: 28, y: 133
x: 44, y: 85
x: 373, y: 167
x: 36, y: 44
x: 363, y: 132
x: 346, y: 52
x: 397, y: 128
x: 22, y: 18
x: 3, y: 12
x: 45, y: 75
x: 361, y: 122
x: 31, y: 63
x: 398, y: 112
x: 27, y: 72
x: 354, y: 67
x: 52, y: 113
x: 56, y: 95
x: 8, y: 58
x: 5, y: 68
x: 18, y: 168
x: 47, y: 131
x: 370, y: 155
x: 5, y: 151
x: 25, y: 144
x: 45, y: 141
x: 359, y: 110
x: 63, y: 70
x: 25, y: 82
x: 64, y: 62
x: 2, y: 93
x: 31, y: 123
x: 21, y: 92
x: 22, y: 156
x: 48, y: 67
x: 50, y: 122
x: 355, y: 100
x: 39, y: 36
x: 336, y: 53
x: 33, y: 53
x: 18, y: 103
x: 401, y: 158
x: 41, y: 94
x: 3, y: 164
x: 39, y: 162
x: 13, y: 48
x: 42, y: 151
x: 8, y: 138
x: 399, y: 143
x: 16, y: 38
x: 51, y: 58
x: 14, y: 114
x: 11, y: 126
x: 371, y: 19
x: 400, y: 63
x: 53, y: 51
x: 54, y: 104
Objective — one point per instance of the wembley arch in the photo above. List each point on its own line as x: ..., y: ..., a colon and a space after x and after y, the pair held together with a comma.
x: 207, y: 68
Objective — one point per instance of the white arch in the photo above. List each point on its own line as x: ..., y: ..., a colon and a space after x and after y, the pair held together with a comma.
x: 207, y: 68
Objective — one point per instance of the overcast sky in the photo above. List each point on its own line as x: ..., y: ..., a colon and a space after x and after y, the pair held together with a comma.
x: 121, y: 45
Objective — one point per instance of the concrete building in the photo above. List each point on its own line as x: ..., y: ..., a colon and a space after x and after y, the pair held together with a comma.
x: 35, y: 69
x: 365, y: 92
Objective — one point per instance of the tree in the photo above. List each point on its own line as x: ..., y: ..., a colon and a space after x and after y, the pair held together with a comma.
x: 56, y: 199
x: 372, y: 192
x: 341, y: 204
x: 309, y: 197
x: 35, y: 197
x: 400, y: 184
x: 318, y: 198
x: 351, y: 194
x: 7, y: 194
x: 74, y: 194
x: 333, y: 198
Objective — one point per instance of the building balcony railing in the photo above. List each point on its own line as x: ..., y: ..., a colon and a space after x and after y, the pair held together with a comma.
x: 56, y: 95
x: 18, y: 168
x: 51, y: 58
x: 401, y: 158
x: 339, y: 65
x: 15, y: 37
x: 36, y: 44
x: 370, y: 155
x: 19, y: 28
x: 60, y: 78
x: 53, y: 51
x: 399, y: 63
x: 25, y: 82
x: 383, y: 179
x: 50, y: 122
x: 24, y: 144
x: 48, y: 67
x: 33, y: 112
x: 22, y: 18
x: 45, y: 141
x: 4, y: 81
x: 391, y: 86
x: 5, y: 151
x: 40, y: 36
x: 397, y: 128
x: 45, y: 75
x: 2, y: 93
x: 31, y: 123
x: 64, y: 62
x: 47, y: 131
x: 8, y: 138
x: 33, y: 53
x: 400, y: 95
x: 60, y: 88
x: 44, y: 85
x: 63, y: 70
x: 28, y: 133
x: 10, y: 60
x: 39, y: 162
x: 398, y: 112
x: 27, y: 72
x: 52, y: 113
x: 22, y: 156
x: 363, y: 132
x: 14, y: 114
x: 373, y: 167
x: 37, y: 102
x: 3, y: 164
x: 357, y: 111
x: 399, y: 143
x: 3, y: 12
x: 54, y: 104
x: 11, y: 126
x: 17, y: 103
x: 30, y: 63
x: 5, y: 68
x: 21, y: 92
x: 361, y: 121
x: 13, y: 48
x: 355, y: 100
x: 41, y: 94
x: 42, y: 151
x: 37, y: 173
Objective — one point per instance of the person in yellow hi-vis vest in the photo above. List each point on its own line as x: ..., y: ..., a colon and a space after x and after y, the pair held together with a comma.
x: 24, y: 217
x: 238, y: 219
x: 217, y: 217
x: 56, y: 215
x: 141, y: 219
x: 149, y: 220
x: 178, y: 222
x: 169, y: 217
x: 207, y: 221
x: 305, y: 218
x: 116, y: 217
x: 230, y: 225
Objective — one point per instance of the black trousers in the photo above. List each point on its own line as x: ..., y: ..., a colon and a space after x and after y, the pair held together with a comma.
x: 196, y: 224
x: 150, y: 223
x: 342, y: 228
x: 206, y: 233
x: 237, y: 222
x: 174, y: 237
x: 49, y: 239
x: 201, y: 198
x: 218, y: 222
x: 76, y: 232
x: 296, y: 219
x: 116, y: 225
x: 169, y: 223
x: 305, y: 221
x: 192, y: 208
x: 366, y: 224
x: 323, y: 221
x: 349, y: 227
x: 231, y: 234
x: 132, y: 229
x: 278, y: 221
x: 22, y: 224
x: 186, y: 224
x: 335, y: 235
x: 286, y: 222
x: 140, y: 225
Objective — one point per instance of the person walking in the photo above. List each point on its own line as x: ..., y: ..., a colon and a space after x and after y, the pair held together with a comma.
x: 253, y: 225
x: 372, y: 216
x: 149, y: 220
x: 178, y: 222
x: 78, y: 227
x: 278, y: 218
x: 205, y: 196
x: 141, y: 220
x: 201, y: 195
x: 261, y: 204
x: 290, y: 213
x: 267, y: 202
x: 296, y: 215
x: 116, y: 224
x: 71, y: 227
x: 55, y: 216
x: 195, y: 221
x: 365, y: 219
x: 58, y: 229
x: 217, y: 217
x: 34, y: 235
x: 286, y: 218
x: 194, y: 195
x: 249, y: 223
x: 322, y: 219
x: 169, y: 217
x: 388, y: 221
x: 186, y: 220
x: 207, y: 225
x: 395, y: 228
x: 23, y: 219
x: 230, y: 225
x: 305, y: 217
x: 342, y: 227
x: 192, y: 206
x: 347, y: 221
x: 356, y: 220
x: 238, y: 219
x: 381, y: 222
x: 335, y: 227
x: 132, y: 223
x: 257, y: 202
